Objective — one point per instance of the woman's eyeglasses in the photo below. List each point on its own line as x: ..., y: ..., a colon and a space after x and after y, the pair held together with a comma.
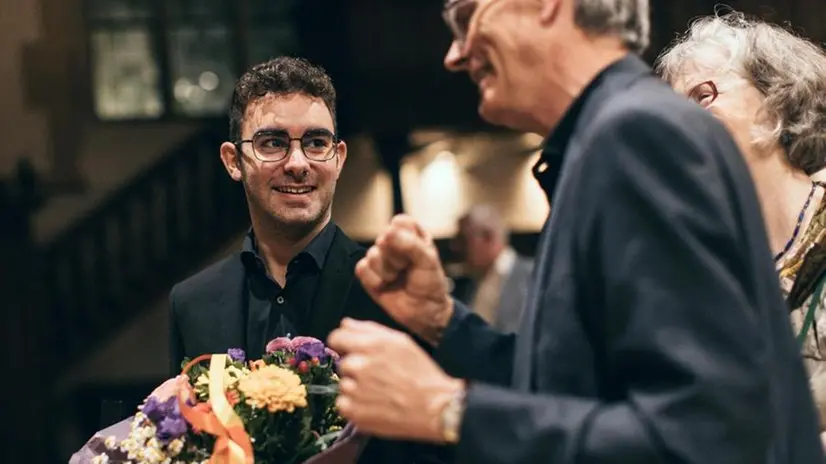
x: 704, y: 93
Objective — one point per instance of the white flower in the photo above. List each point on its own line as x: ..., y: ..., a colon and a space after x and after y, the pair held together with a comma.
x: 153, y: 443
x: 130, y: 446
x: 231, y: 376
x: 100, y: 459
x: 138, y: 421
x: 147, y: 433
x: 110, y: 442
x: 152, y: 455
x: 175, y: 446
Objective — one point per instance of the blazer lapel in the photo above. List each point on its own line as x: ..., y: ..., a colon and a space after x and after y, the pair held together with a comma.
x: 333, y: 286
x: 223, y: 307
x: 257, y: 314
x: 525, y: 342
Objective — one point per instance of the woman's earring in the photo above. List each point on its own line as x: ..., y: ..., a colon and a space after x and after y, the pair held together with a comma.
x: 786, y: 139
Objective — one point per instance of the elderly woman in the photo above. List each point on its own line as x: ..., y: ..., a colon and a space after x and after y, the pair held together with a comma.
x: 769, y: 88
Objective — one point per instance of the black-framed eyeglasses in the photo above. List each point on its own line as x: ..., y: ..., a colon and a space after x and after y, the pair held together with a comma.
x: 704, y: 93
x: 274, y: 145
x: 458, y: 14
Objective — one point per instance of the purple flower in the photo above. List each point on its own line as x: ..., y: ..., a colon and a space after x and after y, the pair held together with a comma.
x: 311, y: 350
x: 157, y: 411
x: 171, y: 428
x: 153, y: 409
x: 167, y: 417
x: 298, y: 342
x: 237, y: 354
x: 279, y: 344
x: 332, y: 354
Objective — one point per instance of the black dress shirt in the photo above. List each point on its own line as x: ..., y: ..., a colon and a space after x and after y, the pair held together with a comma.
x: 287, y: 310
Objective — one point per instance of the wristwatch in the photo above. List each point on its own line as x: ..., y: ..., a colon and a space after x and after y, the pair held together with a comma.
x: 452, y: 415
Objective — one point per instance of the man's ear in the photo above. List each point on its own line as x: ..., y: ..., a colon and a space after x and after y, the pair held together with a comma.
x: 341, y: 157
x: 549, y: 11
x: 232, y: 160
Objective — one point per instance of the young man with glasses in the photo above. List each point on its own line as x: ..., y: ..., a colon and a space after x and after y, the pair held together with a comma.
x: 295, y: 274
x: 287, y: 279
x: 654, y: 330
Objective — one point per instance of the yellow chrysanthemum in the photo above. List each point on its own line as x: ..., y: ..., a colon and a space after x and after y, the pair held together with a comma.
x: 273, y: 388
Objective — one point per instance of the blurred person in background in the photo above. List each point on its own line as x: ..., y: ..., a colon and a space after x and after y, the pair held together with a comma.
x: 769, y: 88
x: 499, y: 277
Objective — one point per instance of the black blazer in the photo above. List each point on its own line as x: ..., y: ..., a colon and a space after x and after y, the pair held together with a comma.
x: 209, y: 310
x: 209, y: 315
x: 654, y: 330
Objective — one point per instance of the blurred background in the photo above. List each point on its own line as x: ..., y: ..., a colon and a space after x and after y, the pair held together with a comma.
x: 111, y: 189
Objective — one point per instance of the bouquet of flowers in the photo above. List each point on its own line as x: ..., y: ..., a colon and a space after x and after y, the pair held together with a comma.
x: 278, y: 409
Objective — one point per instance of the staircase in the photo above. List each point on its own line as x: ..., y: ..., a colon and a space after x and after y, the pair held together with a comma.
x: 126, y: 253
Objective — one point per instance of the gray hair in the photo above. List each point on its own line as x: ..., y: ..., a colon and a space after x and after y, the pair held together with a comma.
x: 626, y: 19
x: 790, y: 72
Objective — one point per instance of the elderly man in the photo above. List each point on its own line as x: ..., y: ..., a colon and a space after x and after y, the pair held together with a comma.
x: 499, y: 276
x: 654, y: 329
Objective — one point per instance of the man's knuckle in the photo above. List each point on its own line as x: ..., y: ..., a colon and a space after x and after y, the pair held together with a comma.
x: 373, y: 254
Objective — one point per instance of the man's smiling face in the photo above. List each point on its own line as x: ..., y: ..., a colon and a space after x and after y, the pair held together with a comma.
x: 295, y: 191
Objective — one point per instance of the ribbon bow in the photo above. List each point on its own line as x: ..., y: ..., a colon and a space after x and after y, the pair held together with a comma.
x: 232, y: 445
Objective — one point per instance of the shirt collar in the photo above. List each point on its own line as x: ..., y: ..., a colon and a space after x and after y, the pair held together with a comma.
x: 505, y: 261
x: 317, y: 248
x: 548, y: 167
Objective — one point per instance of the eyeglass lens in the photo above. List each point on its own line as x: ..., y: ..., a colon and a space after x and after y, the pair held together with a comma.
x: 275, y: 145
x: 458, y: 15
x: 704, y: 93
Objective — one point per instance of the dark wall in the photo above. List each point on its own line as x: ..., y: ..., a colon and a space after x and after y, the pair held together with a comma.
x: 386, y: 57
x: 386, y: 61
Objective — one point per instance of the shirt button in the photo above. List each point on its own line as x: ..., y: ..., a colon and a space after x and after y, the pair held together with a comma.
x: 280, y: 300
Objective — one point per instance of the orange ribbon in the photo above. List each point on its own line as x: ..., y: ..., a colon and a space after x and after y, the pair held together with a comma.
x: 232, y: 445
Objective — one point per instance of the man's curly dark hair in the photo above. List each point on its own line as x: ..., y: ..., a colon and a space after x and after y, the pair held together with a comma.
x: 280, y: 76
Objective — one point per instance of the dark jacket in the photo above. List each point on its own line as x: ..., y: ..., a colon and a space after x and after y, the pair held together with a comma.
x: 508, y: 316
x: 209, y: 315
x: 654, y: 330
